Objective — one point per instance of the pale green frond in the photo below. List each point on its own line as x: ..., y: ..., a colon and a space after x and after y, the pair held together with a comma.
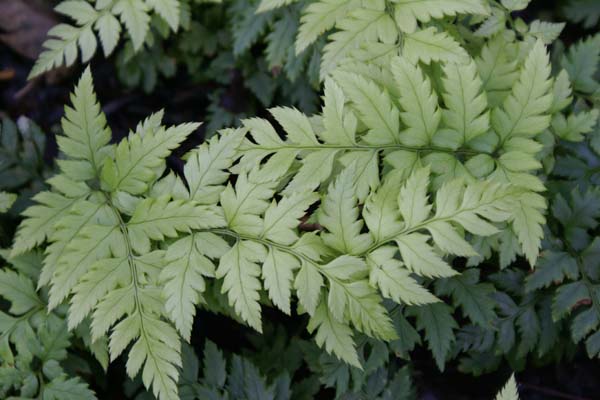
x: 408, y: 12
x: 308, y: 285
x: 421, y: 113
x: 155, y: 219
x: 156, y: 348
x: 86, y: 135
x: 109, y: 31
x: 413, y: 201
x: 240, y: 271
x: 380, y: 212
x: 135, y: 17
x: 561, y: 92
x: 243, y: 205
x: 334, y: 336
x: 374, y: 106
x: 316, y: 168
x: 367, y: 165
x: 140, y: 159
x: 339, y: 215
x: 278, y: 272
x: 393, y: 280
x: 419, y: 256
x: 525, y: 111
x: 351, y: 295
x: 80, y: 214
x: 547, y: 32
x: 6, y: 201
x: 186, y: 265
x: 515, y: 5
x: 498, y: 68
x: 40, y: 220
x: 360, y: 26
x: 103, y: 277
x: 320, y: 16
x: 338, y: 121
x: 429, y: 45
x: 528, y: 222
x: 110, y: 309
x: 281, y: 219
x: 63, y: 47
x: 93, y: 243
x: 206, y: 167
x: 296, y: 125
x: 446, y: 237
x: 169, y: 10
x: 466, y: 112
x: 509, y: 391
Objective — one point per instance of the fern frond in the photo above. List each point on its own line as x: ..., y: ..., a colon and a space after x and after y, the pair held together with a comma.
x: 240, y: 271
x: 509, y: 391
x: 408, y: 12
x: 86, y: 135
x: 187, y: 264
x: 334, y: 336
x: 524, y: 112
x: 466, y: 114
x: 155, y: 219
x: 339, y: 215
x: 360, y: 26
x: 40, y: 221
x: 140, y: 159
x: 429, y: 45
x: 375, y: 107
x: 420, y: 104
x: 319, y: 17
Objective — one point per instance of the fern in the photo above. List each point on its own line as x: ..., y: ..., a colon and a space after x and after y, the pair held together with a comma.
x: 32, y: 341
x: 108, y: 19
x: 109, y: 214
x: 431, y: 153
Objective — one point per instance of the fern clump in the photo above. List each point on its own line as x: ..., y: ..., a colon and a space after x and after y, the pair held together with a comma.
x: 446, y: 130
x: 133, y: 251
